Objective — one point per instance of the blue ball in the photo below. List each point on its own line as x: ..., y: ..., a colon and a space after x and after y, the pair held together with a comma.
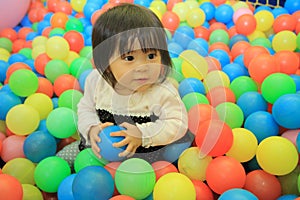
x: 184, y: 35
x: 90, y: 8
x: 251, y: 102
x: 209, y: 10
x: 3, y: 68
x: 17, y: 57
x: 287, y: 197
x: 286, y: 111
x: 199, y: 45
x: 279, y: 11
x: 64, y: 191
x: 296, y: 79
x: 237, y: 194
x: 82, y: 78
x: 93, y: 182
x: 236, y: 38
x: 39, y: 145
x: 234, y: 70
x: 108, y: 152
x: 224, y: 13
x: 173, y: 151
x: 221, y: 55
x: 262, y: 125
x: 292, y: 5
x: 7, y: 101
x: 189, y: 85
x: 55, y: 102
x: 174, y: 49
x: 145, y: 3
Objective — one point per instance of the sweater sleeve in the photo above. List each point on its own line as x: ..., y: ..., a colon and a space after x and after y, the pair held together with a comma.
x: 87, y: 115
x: 171, y: 124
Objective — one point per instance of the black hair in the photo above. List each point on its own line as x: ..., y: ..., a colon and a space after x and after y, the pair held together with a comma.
x: 118, y: 28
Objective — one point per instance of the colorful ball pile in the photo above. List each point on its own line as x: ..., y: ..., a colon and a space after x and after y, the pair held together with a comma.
x: 236, y: 67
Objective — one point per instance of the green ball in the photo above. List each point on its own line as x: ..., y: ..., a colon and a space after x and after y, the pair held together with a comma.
x: 62, y: 122
x: 86, y: 52
x: 86, y: 158
x: 219, y: 35
x: 56, y: 31
x: 231, y: 114
x: 23, y: 82
x: 27, y: 52
x: 135, y: 177
x: 74, y: 24
x: 194, y: 98
x: 276, y: 85
x: 6, y: 43
x: 264, y: 42
x: 176, y: 72
x: 50, y: 172
x: 79, y: 65
x: 242, y: 84
x: 70, y: 99
x: 55, y: 68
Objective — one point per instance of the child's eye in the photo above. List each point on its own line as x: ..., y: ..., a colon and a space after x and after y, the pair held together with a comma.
x: 128, y: 58
x: 151, y: 56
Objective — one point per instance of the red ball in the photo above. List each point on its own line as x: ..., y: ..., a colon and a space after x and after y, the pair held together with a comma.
x: 288, y: 62
x: 65, y: 82
x: 214, y: 137
x: 263, y: 185
x: 45, y: 87
x: 170, y: 21
x: 245, y: 24
x: 163, y: 167
x: 203, y: 192
x: 224, y: 173
x: 75, y: 40
x: 11, y: 188
x: 284, y: 22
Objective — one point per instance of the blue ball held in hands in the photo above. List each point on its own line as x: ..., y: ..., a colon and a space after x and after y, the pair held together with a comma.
x: 107, y: 151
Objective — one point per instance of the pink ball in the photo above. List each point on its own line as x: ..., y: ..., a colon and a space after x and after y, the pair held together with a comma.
x: 291, y: 135
x: 12, y: 147
x: 239, y: 12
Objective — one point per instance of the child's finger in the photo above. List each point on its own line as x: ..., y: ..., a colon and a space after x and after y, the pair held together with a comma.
x: 118, y: 133
x: 120, y: 144
x: 106, y: 124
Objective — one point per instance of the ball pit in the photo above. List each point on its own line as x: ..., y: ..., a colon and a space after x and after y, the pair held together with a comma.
x: 237, y: 71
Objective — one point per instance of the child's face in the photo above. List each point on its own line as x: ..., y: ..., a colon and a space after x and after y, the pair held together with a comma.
x: 136, y: 71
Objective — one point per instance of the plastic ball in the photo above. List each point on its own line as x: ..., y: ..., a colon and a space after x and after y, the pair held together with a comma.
x: 193, y: 99
x: 20, y: 168
x: 199, y: 45
x: 70, y: 99
x: 65, y: 188
x: 23, y: 82
x: 65, y: 82
x: 224, y: 173
x: 239, y: 12
x: 39, y: 145
x: 285, y: 111
x: 219, y: 95
x: 78, y: 5
x: 284, y: 40
x: 264, y: 20
x: 184, y: 35
x: 40, y: 63
x: 263, y: 185
x: 22, y: 119
x: 107, y: 151
x: 7, y: 100
x: 181, y: 9
x: 121, y: 197
x: 87, y: 158
x: 284, y: 22
x: 62, y: 122
x: 174, y: 186
x: 271, y: 90
x: 245, y: 24
x: 55, y: 68
x: 135, y: 177
x: 221, y: 140
x: 163, y: 167
x: 79, y: 65
x: 173, y: 151
x: 202, y: 190
x: 50, y: 172
x: 41, y: 102
x: 251, y: 102
x: 45, y: 87
x: 234, y: 70
x: 216, y: 78
x: 12, y: 147
x: 231, y: 114
x: 58, y: 20
x: 288, y: 61
x: 193, y: 166
x: 31, y: 192
x: 57, y: 47
x: 242, y: 84
x: 189, y: 85
x: 219, y: 35
x: 74, y: 24
x: 236, y: 194
x: 277, y: 155
x: 193, y: 65
x: 195, y: 17
x: 224, y: 13
x: 11, y: 188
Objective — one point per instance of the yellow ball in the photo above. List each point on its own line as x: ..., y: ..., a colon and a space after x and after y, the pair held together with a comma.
x: 41, y: 102
x: 192, y: 165
x: 264, y: 20
x: 193, y: 65
x: 216, y: 78
x: 244, y: 145
x: 238, y: 5
x: 159, y: 5
x: 156, y: 12
x: 277, y: 155
x: 37, y: 50
x: 175, y: 186
x: 4, y: 54
x: 71, y: 57
x: 57, y: 47
x: 195, y: 17
x: 31, y: 192
x: 22, y: 119
x: 39, y: 40
x: 78, y: 5
x: 181, y: 9
x: 192, y: 4
x: 284, y: 40
x: 256, y: 34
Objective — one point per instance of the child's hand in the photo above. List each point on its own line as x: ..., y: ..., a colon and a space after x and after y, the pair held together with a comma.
x: 94, y: 137
x: 133, y: 139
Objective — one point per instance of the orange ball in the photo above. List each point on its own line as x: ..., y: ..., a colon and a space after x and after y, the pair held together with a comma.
x: 245, y: 24
x: 216, y: 26
x: 219, y: 95
x: 95, y: 16
x: 232, y: 31
x: 45, y: 87
x: 170, y: 20
x: 59, y: 20
x: 23, y: 32
x: 65, y: 82
x: 163, y: 167
x: 219, y: 45
x: 224, y: 173
x: 64, y: 6
x: 202, y: 190
x: 52, y: 4
x: 171, y: 3
x: 40, y: 63
x: 11, y: 188
x: 121, y: 197
x: 15, y: 66
x: 201, y: 32
x: 287, y: 61
x: 252, y: 52
x: 263, y: 185
x: 284, y: 22
x: 213, y: 63
x: 239, y: 48
x: 218, y: 2
x: 18, y: 44
x: 9, y: 33
x: 75, y: 40
x: 261, y: 66
x: 33, y: 15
